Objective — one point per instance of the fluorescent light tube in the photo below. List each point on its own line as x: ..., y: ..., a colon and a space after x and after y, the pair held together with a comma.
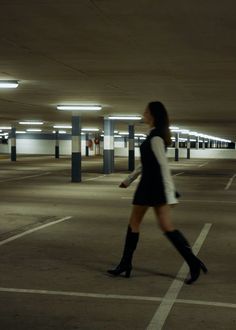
x: 79, y: 107
x: 8, y: 83
x: 62, y: 126
x: 34, y: 130
x: 125, y: 117
x: 5, y: 127
x: 20, y: 132
x: 31, y: 122
x: 90, y: 129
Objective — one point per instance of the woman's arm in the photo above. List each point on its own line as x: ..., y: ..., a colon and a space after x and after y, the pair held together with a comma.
x: 158, y: 149
x: 131, y: 177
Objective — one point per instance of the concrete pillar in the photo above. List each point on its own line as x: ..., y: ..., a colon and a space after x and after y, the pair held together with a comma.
x: 203, y: 143
x: 131, y: 148
x: 13, y: 144
x: 176, y: 146
x: 108, y: 146
x: 188, y: 147
x: 197, y: 142
x: 86, y: 144
x: 76, y: 150
x: 57, y: 151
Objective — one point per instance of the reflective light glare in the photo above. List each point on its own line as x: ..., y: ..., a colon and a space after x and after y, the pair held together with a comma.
x: 34, y: 130
x: 123, y: 133
x: 79, y: 107
x: 3, y: 134
x: 62, y: 126
x: 8, y: 83
x: 62, y: 132
x: 92, y: 129
x: 125, y: 117
x: 31, y: 122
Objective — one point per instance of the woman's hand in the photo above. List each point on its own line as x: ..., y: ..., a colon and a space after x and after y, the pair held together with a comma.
x: 122, y: 185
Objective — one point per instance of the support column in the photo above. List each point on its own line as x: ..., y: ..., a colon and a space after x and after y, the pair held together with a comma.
x: 176, y: 146
x: 108, y: 146
x: 57, y: 151
x: 86, y: 144
x: 13, y: 144
x: 188, y: 147
x: 203, y: 143
x: 131, y: 148
x: 197, y: 142
x: 76, y: 150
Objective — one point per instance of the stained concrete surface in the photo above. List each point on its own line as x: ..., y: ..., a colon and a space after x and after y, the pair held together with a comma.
x: 73, y: 255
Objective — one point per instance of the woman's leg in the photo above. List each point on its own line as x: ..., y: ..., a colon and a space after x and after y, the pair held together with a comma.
x: 136, y: 217
x: 180, y: 242
x: 163, y: 213
x: 131, y: 241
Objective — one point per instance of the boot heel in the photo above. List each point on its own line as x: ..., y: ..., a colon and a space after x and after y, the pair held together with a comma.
x: 127, y: 273
x: 203, y: 268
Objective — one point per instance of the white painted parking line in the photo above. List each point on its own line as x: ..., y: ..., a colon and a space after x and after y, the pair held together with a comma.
x: 27, y: 232
x: 115, y: 297
x: 25, y: 177
x: 230, y: 182
x: 97, y: 177
x: 178, y: 174
x: 170, y: 297
x: 201, y: 165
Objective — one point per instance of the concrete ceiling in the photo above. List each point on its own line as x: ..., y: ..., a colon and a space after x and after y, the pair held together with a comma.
x: 121, y: 54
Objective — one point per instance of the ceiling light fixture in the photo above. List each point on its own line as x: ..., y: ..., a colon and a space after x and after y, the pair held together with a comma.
x: 125, y: 117
x: 62, y: 126
x: 31, y: 122
x: 5, y: 127
x: 34, y: 130
x: 79, y: 107
x: 9, y: 83
x: 90, y: 129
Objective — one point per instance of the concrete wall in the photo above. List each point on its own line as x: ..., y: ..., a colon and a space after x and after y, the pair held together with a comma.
x: 195, y: 153
x: 34, y: 144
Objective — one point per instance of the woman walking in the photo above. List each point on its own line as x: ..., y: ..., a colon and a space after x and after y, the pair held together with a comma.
x: 155, y: 189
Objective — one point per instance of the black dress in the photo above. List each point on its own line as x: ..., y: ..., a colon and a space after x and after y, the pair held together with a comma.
x: 156, y: 185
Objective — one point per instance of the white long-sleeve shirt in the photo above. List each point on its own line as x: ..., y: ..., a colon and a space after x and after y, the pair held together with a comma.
x: 158, y: 148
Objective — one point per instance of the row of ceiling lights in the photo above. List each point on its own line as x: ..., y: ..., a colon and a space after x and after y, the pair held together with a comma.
x: 15, y: 83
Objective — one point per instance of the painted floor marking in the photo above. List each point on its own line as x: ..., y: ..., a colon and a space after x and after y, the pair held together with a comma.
x: 201, y: 165
x: 178, y: 174
x: 27, y: 232
x: 115, y: 296
x: 170, y: 297
x: 25, y: 177
x: 230, y: 182
x: 91, y: 179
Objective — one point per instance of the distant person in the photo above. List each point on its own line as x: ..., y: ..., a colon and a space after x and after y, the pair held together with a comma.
x: 155, y: 189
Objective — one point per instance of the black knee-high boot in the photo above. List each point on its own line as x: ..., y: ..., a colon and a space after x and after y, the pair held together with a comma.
x: 125, y: 265
x: 182, y: 245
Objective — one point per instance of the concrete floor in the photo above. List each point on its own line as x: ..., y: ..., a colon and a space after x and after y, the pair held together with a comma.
x: 53, y: 276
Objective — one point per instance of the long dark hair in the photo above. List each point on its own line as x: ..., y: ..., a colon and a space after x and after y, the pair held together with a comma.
x: 161, y: 120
